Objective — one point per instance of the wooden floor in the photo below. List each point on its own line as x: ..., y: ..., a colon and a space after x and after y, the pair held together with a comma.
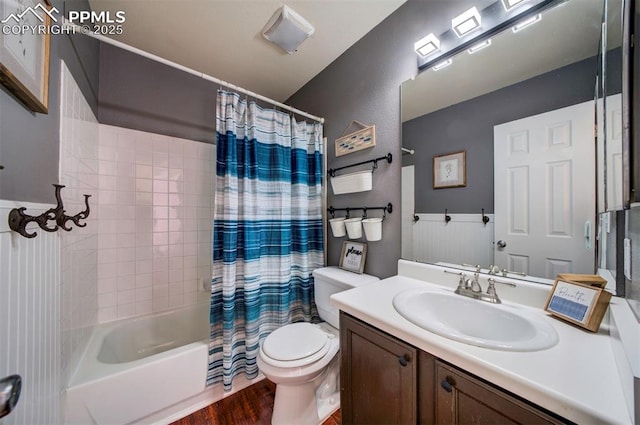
x: 251, y: 406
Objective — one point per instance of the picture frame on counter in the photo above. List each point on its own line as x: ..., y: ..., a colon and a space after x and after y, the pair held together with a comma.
x: 353, y: 256
x: 582, y: 304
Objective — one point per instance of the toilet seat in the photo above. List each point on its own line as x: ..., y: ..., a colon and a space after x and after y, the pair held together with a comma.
x: 296, y: 345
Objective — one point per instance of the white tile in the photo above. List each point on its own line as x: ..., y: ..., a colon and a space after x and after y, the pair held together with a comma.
x: 144, y: 185
x: 126, y: 254
x: 126, y: 240
x: 106, y: 285
x: 126, y: 283
x: 176, y: 212
x: 176, y: 263
x: 190, y: 261
x: 125, y: 198
x: 107, y: 300
x: 126, y: 154
x: 107, y: 241
x: 176, y: 250
x: 160, y: 265
x: 160, y: 159
x: 144, y: 157
x: 160, y: 291
x: 176, y: 161
x: 143, y: 239
x: 107, y: 315
x: 144, y: 253
x: 176, y: 199
x: 107, y: 168
x: 176, y: 147
x: 160, y: 278
x: 176, y: 238
x: 144, y: 307
x: 126, y: 297
x: 126, y: 310
x: 160, y: 212
x: 176, y: 187
x: 144, y: 267
x: 160, y: 226
x: 176, y: 300
x: 126, y: 183
x: 144, y: 294
x: 107, y: 256
x: 161, y: 186
x: 126, y: 226
x: 160, y: 173
x: 160, y: 303
x: 175, y: 225
x: 144, y: 171
x: 127, y: 169
x: 175, y: 276
x: 144, y: 212
x: 144, y: 280
x: 106, y: 197
x: 190, y: 274
x: 176, y: 174
x: 107, y: 153
x: 106, y: 271
x: 127, y: 268
x: 160, y: 199
x: 144, y: 198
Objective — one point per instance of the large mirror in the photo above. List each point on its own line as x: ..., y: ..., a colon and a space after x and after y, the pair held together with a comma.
x: 523, y: 112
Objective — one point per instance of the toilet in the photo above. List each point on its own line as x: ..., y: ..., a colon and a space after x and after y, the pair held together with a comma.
x: 301, y: 358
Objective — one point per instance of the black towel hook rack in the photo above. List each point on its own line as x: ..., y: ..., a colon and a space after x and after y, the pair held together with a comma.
x: 386, y: 209
x: 485, y: 219
x: 447, y: 217
x: 388, y: 157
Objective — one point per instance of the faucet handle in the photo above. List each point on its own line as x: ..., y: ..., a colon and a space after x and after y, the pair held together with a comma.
x: 462, y: 280
x: 491, y: 291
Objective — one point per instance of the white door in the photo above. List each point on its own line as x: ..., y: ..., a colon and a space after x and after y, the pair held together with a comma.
x: 544, y: 168
x: 613, y: 153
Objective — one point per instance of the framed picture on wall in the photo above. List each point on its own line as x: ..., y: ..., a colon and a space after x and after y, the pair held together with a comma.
x: 24, y: 51
x: 450, y: 170
x: 353, y: 256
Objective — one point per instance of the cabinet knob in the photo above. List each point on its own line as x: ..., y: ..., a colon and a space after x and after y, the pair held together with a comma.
x: 404, y: 360
x: 448, y: 383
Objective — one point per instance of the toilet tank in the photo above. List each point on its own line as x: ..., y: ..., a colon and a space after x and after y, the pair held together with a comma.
x: 331, y: 280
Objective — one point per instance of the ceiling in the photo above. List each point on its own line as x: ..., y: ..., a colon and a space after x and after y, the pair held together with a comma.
x: 566, y: 34
x: 223, y: 38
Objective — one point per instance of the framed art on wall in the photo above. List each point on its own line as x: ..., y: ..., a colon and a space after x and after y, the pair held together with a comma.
x: 353, y: 256
x: 450, y: 170
x: 24, y: 51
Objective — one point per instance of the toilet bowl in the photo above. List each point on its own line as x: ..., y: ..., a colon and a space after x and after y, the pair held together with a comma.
x: 301, y: 358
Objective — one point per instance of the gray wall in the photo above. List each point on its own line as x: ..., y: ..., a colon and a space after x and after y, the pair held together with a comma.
x: 29, y: 142
x: 469, y: 126
x: 364, y: 84
x: 145, y: 95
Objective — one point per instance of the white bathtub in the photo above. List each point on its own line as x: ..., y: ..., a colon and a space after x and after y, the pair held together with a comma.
x: 138, y: 367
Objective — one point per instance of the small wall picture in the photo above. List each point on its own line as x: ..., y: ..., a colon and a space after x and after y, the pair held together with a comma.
x: 450, y: 170
x: 24, y: 54
x: 353, y: 256
x: 361, y: 139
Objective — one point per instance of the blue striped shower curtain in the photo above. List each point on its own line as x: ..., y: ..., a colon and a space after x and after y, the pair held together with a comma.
x: 267, y: 231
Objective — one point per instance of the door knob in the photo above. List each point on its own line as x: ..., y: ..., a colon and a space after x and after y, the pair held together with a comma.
x: 501, y: 244
x: 9, y: 393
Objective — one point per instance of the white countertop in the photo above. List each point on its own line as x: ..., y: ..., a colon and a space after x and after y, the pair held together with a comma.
x: 576, y: 379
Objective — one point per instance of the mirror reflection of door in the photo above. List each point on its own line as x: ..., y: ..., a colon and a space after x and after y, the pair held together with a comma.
x: 544, y: 223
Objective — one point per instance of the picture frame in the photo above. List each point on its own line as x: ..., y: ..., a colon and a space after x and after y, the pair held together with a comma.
x: 24, y: 56
x: 581, y: 304
x: 450, y: 170
x: 353, y: 256
x: 356, y: 141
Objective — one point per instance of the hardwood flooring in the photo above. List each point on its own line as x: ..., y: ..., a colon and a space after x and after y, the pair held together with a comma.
x: 251, y: 406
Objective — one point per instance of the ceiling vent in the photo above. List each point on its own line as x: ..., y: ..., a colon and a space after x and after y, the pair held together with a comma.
x: 287, y: 29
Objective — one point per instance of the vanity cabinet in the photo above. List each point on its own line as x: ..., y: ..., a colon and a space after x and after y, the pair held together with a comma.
x: 384, y: 380
x: 464, y: 399
x: 378, y: 376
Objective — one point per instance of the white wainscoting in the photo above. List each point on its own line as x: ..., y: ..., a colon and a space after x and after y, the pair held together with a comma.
x: 30, y: 318
x: 464, y: 239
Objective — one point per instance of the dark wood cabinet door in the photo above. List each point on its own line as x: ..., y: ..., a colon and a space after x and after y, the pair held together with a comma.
x: 463, y: 399
x: 378, y: 376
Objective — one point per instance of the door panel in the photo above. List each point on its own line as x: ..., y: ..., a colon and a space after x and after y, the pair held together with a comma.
x: 545, y: 192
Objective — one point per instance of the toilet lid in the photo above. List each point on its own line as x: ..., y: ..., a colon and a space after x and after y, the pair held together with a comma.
x: 295, y: 341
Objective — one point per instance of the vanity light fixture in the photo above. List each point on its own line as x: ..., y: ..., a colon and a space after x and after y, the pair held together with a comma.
x: 527, y: 22
x: 476, y: 48
x: 466, y: 22
x: 427, y: 45
x: 442, y: 65
x: 510, y: 4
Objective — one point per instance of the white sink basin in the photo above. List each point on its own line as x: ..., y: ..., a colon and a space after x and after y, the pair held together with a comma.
x: 500, y: 327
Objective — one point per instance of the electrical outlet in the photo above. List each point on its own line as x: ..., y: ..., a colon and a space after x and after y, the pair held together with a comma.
x: 627, y: 258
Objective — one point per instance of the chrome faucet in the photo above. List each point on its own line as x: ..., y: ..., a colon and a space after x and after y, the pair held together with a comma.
x: 471, y: 288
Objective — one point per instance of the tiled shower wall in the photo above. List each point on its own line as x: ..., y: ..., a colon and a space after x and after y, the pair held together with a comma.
x: 155, y: 211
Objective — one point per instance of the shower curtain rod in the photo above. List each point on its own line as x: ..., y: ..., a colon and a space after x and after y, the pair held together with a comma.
x: 80, y: 30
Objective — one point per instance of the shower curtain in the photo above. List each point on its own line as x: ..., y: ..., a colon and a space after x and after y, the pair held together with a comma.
x: 267, y: 231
